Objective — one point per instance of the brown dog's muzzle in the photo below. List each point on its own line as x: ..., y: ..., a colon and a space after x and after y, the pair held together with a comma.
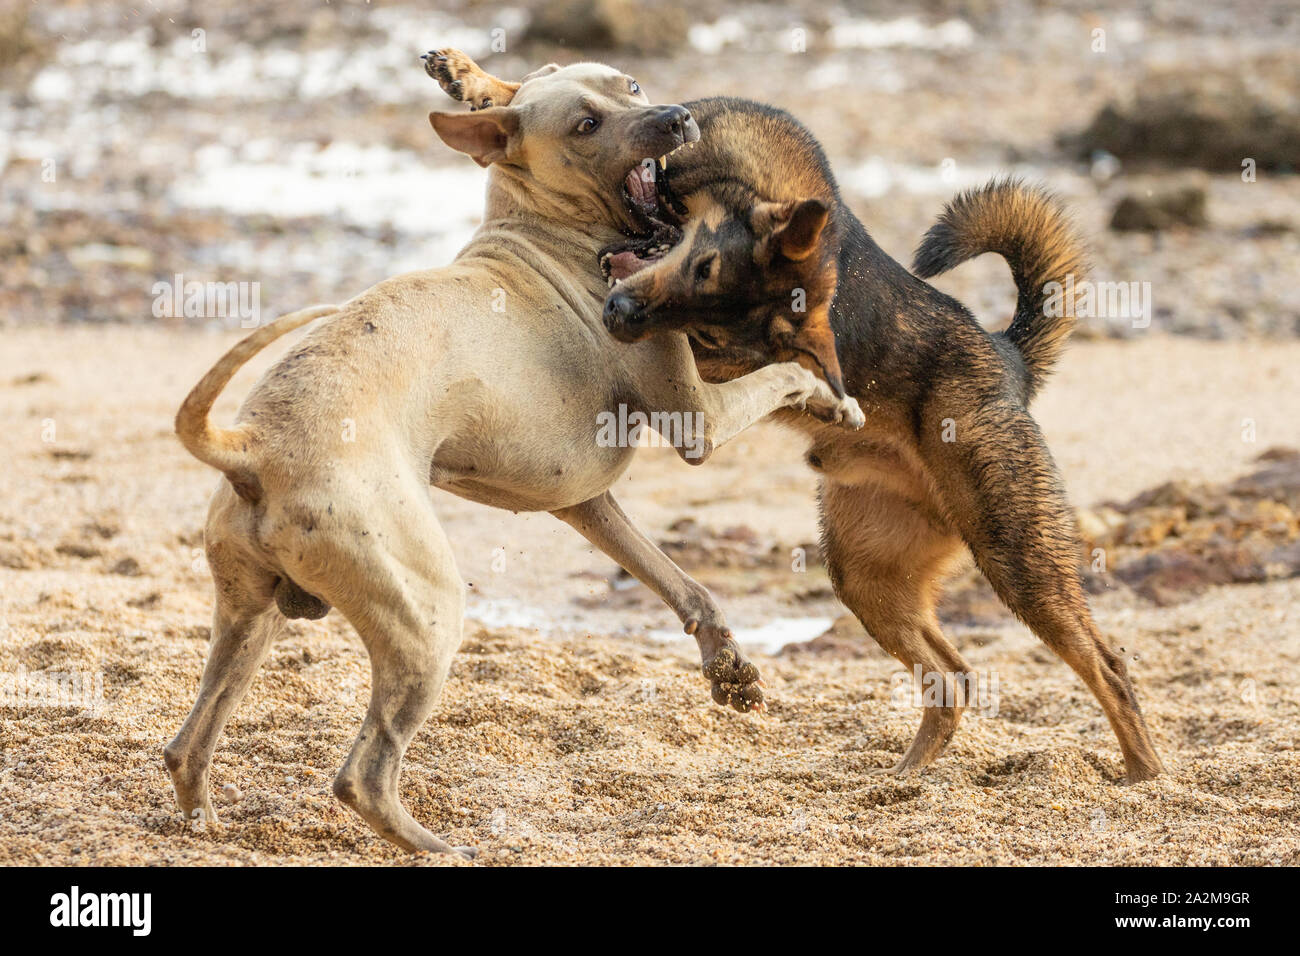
x: 625, y: 317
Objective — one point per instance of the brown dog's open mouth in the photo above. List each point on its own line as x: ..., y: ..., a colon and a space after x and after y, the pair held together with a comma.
x: 628, y: 260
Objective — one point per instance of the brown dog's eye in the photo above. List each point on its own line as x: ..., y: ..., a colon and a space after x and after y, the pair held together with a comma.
x: 588, y: 125
x: 705, y: 269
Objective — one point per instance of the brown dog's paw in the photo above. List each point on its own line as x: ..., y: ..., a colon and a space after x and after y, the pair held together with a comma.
x: 459, y: 77
x: 735, y: 680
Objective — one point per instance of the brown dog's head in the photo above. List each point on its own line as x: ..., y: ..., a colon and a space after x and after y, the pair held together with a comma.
x: 747, y: 275
x: 580, y: 143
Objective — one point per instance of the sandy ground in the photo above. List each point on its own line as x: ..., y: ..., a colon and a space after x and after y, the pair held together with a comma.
x: 590, y: 740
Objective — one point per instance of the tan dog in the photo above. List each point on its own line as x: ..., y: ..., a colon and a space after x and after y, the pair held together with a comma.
x: 420, y: 381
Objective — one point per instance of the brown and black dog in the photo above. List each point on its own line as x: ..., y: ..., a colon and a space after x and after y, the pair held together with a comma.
x: 772, y: 263
x: 751, y: 252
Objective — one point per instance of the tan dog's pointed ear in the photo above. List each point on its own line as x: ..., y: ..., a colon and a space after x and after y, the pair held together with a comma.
x: 546, y: 70
x: 483, y: 136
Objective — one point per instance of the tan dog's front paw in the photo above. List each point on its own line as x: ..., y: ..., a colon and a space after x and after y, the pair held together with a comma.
x: 735, y: 680
x: 460, y: 77
x: 826, y: 406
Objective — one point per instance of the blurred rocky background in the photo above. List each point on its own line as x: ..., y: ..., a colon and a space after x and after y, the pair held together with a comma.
x: 285, y: 142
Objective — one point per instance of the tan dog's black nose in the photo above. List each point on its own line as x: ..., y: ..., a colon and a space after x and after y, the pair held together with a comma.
x: 678, y: 122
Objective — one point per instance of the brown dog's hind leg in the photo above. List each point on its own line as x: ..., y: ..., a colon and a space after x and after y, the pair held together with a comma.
x: 734, y: 679
x: 886, y: 561
x: 1002, y: 489
x: 243, y: 626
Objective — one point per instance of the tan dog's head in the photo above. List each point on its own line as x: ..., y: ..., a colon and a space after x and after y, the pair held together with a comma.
x: 579, y: 142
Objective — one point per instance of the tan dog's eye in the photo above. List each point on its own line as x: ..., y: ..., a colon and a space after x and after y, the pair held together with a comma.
x: 588, y: 125
x: 635, y: 87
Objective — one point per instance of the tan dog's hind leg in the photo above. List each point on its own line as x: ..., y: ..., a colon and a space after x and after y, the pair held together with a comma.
x: 886, y: 562
x: 602, y: 522
x: 391, y: 572
x: 244, y: 624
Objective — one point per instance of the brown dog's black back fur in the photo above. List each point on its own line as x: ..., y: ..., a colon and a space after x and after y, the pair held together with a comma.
x: 751, y: 150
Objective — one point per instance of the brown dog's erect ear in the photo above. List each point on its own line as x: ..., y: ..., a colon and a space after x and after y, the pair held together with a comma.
x: 546, y: 70
x: 483, y: 136
x: 798, y: 235
x: 792, y: 228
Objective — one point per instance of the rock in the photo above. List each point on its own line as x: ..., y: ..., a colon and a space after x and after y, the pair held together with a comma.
x: 846, y: 638
x: 74, y: 549
x: 623, y: 25
x: 1159, y: 210
x: 1278, y: 480
x: 1177, y: 538
x: 1091, y: 528
x: 127, y: 567
x: 1210, y: 119
x: 693, y: 546
x: 970, y: 601
x: 1173, y: 574
x: 1150, y: 526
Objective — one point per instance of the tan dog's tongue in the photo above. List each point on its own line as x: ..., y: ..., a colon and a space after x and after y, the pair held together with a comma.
x: 641, y: 187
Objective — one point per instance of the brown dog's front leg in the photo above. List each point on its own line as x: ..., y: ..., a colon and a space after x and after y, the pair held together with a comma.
x: 734, y: 679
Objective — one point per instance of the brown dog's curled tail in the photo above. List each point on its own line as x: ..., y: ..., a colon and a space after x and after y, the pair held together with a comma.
x: 1027, y: 226
x: 226, y: 449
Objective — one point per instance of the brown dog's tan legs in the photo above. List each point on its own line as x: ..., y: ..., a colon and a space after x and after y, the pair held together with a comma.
x: 886, y: 562
x: 1013, y: 514
x: 734, y: 679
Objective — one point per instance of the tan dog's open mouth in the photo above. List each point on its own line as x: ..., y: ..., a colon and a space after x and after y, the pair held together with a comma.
x: 647, y: 197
